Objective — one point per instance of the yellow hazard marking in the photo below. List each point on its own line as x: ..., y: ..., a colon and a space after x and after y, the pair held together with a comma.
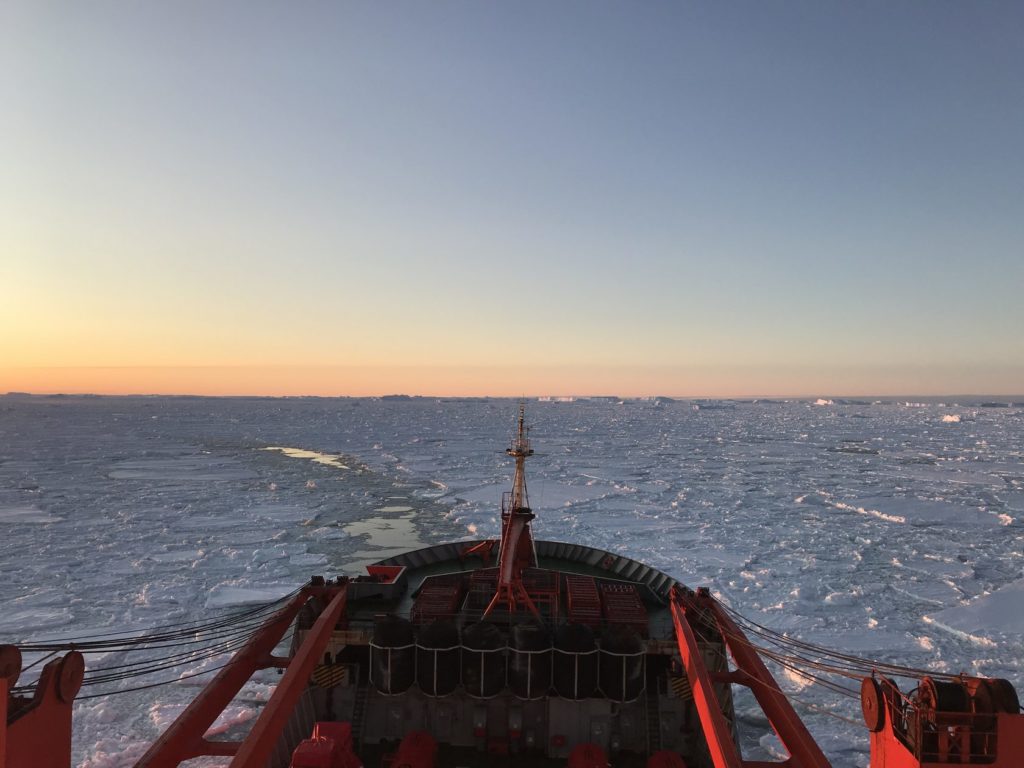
x: 680, y: 687
x: 329, y: 676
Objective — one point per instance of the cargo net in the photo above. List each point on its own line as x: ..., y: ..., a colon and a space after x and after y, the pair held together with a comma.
x: 530, y: 662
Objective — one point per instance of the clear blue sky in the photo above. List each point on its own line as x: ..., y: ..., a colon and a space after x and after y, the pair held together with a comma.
x: 646, y: 197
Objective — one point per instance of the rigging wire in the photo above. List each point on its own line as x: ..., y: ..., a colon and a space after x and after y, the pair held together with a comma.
x: 144, y: 667
x: 842, y: 664
x: 148, y: 666
x: 823, y: 711
x: 223, y: 640
x: 158, y: 684
x: 40, y: 660
x: 797, y: 658
x: 223, y: 633
x: 150, y: 685
x: 161, y: 683
x: 185, y: 629
x: 712, y: 646
x: 215, y: 638
x: 854, y: 663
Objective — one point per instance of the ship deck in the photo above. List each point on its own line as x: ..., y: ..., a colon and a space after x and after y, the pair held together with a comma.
x: 652, y: 585
x: 379, y: 685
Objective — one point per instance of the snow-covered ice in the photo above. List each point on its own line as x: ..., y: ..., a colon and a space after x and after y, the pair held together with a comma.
x: 884, y: 529
x: 229, y: 595
x: 24, y: 514
x: 994, y: 613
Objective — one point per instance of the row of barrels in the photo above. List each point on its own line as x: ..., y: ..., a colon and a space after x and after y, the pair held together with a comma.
x: 530, y: 660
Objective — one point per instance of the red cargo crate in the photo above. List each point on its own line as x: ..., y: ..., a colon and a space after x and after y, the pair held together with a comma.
x: 621, y: 604
x: 437, y: 599
x: 584, y: 604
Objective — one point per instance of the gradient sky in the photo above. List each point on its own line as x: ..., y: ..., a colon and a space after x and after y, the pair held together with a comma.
x: 758, y: 198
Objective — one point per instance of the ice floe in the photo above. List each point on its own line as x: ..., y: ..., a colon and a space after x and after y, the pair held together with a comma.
x: 26, y: 515
x: 998, y: 612
x: 233, y: 595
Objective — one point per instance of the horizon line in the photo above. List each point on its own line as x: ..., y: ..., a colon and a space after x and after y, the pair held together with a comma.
x: 538, y: 397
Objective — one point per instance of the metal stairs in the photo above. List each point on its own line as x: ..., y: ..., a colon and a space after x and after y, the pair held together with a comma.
x: 359, y: 713
x: 653, y: 719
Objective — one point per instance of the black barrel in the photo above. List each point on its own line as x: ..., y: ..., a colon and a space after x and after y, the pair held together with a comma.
x: 483, y: 665
x: 622, y: 664
x: 437, y: 659
x: 392, y: 655
x: 575, y: 662
x: 529, y: 661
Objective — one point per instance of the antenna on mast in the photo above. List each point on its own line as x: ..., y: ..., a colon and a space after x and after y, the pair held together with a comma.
x: 517, y: 548
x: 519, y: 450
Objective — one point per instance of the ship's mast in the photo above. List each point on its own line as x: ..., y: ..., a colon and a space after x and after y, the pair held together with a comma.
x: 517, y: 548
x: 519, y: 450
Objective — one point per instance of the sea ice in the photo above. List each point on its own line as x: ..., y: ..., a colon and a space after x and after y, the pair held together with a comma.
x: 995, y: 613
x: 873, y: 528
x: 196, y: 469
x: 229, y: 595
x: 26, y: 515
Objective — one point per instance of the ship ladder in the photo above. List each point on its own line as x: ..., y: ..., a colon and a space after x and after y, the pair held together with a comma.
x: 359, y: 713
x: 653, y: 720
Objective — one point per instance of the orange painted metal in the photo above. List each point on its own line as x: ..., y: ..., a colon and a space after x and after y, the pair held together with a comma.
x: 518, y: 551
x: 621, y: 604
x: 721, y: 747
x: 259, y: 746
x: 584, y: 601
x: 543, y: 587
x: 3, y: 722
x: 914, y: 734
x: 751, y: 671
x: 803, y: 749
x: 438, y: 600
x: 483, y: 549
x: 515, y: 541
x: 1011, y: 734
x: 38, y: 732
x: 10, y: 670
x: 185, y: 737
x: 330, y: 747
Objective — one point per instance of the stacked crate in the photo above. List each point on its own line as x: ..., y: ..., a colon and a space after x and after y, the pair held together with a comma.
x: 438, y: 599
x: 584, y: 603
x: 621, y: 604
